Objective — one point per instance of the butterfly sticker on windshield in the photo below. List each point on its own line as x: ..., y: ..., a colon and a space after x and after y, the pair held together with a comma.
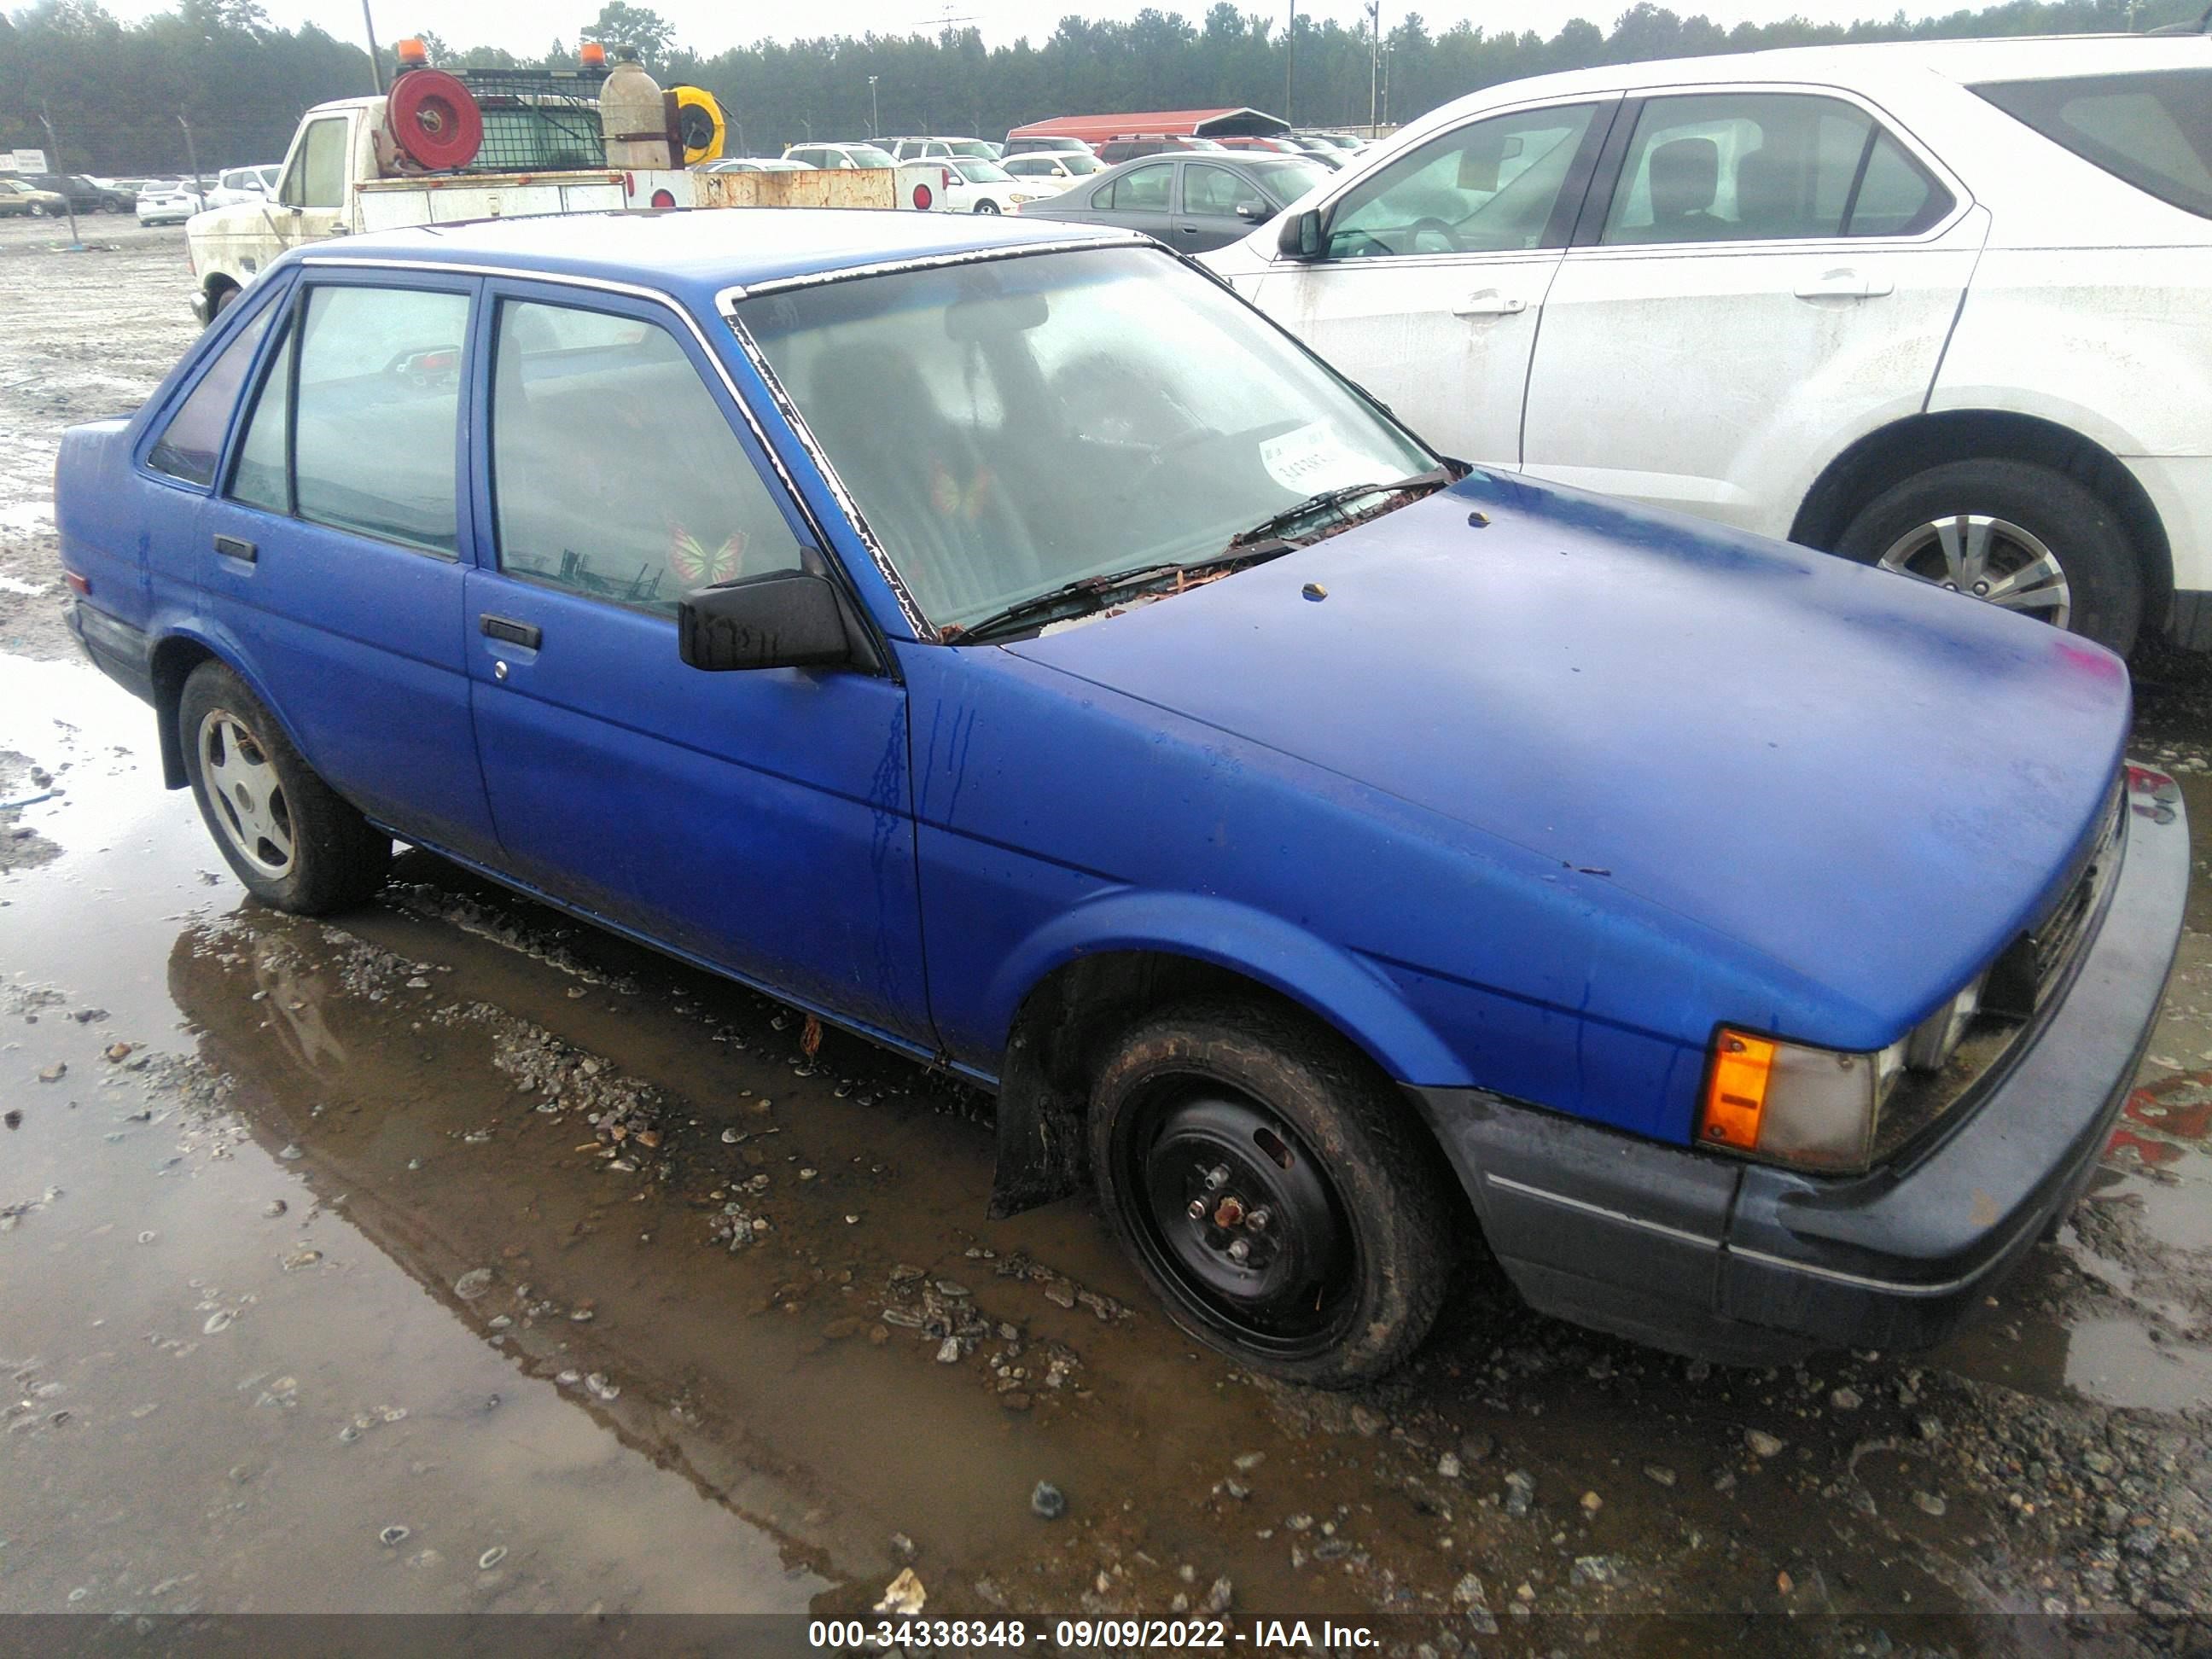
x: 952, y: 500
x: 689, y: 557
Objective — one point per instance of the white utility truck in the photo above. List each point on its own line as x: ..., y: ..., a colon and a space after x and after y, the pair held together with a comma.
x: 483, y: 144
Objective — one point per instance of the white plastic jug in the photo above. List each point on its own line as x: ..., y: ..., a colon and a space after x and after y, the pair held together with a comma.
x: 632, y: 117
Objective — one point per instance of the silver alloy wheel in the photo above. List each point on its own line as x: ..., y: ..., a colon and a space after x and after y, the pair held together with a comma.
x: 249, y: 800
x: 1991, y: 559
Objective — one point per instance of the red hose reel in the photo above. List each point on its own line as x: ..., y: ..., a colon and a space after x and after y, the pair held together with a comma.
x: 435, y: 119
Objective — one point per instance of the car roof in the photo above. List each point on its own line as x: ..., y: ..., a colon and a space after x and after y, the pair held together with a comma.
x: 695, y: 254
x: 1965, y: 62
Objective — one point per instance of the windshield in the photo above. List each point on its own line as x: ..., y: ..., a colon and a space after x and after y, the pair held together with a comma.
x: 1081, y: 161
x: 981, y: 172
x: 867, y: 155
x: 1285, y: 177
x: 1011, y: 427
x: 975, y: 147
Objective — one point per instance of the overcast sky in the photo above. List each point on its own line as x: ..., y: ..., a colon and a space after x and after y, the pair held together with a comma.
x: 709, y: 26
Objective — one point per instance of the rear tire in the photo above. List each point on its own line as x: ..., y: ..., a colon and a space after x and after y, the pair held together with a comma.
x: 285, y: 833
x: 2014, y: 512
x: 1322, y: 1244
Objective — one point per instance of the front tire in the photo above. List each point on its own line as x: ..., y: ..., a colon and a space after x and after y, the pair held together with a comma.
x: 1272, y: 1193
x: 286, y: 835
x: 2020, y: 535
x: 987, y: 206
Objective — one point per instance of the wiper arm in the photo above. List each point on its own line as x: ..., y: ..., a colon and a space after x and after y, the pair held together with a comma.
x: 1089, y: 593
x: 1336, y: 499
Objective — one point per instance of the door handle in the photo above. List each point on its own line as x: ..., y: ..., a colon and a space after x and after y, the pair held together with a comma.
x: 1489, y: 302
x: 1844, y: 285
x: 514, y: 633
x: 233, y: 547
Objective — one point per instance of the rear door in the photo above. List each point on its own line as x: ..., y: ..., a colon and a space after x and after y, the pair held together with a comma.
x: 1435, y: 270
x: 1774, y: 272
x: 760, y: 822
x: 1208, y: 199
x: 329, y: 562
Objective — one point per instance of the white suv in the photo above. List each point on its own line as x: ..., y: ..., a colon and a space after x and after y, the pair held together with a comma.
x: 1944, y: 307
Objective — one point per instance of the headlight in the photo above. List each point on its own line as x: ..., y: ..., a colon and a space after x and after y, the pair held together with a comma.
x: 1815, y: 1108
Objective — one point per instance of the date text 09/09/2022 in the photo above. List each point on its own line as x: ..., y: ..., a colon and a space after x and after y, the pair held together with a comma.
x: 1116, y: 1634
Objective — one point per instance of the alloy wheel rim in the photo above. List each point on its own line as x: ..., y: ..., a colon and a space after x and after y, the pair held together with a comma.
x: 1233, y: 1212
x: 1986, y: 558
x: 249, y: 801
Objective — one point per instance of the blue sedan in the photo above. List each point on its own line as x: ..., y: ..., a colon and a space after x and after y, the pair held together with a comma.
x: 999, y: 640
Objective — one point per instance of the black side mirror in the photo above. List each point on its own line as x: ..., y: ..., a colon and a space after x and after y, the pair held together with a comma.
x: 786, y: 619
x: 1301, y: 237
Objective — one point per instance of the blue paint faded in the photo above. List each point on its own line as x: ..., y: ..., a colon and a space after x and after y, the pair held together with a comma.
x: 1526, y: 807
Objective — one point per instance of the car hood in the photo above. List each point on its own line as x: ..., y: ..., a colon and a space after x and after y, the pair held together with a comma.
x: 1866, y: 784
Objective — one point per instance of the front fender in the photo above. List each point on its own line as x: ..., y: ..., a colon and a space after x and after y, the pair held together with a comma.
x: 1327, y: 982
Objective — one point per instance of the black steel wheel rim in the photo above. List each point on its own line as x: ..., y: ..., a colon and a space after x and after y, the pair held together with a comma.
x: 1232, y: 1210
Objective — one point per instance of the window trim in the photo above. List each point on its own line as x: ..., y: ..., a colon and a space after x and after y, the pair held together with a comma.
x: 292, y: 324
x: 299, y: 164
x: 529, y: 288
x: 1591, y: 226
x: 164, y: 408
x: 1574, y: 190
x: 281, y: 328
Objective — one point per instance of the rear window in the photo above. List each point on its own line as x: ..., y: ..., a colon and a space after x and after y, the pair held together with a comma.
x: 2153, y: 129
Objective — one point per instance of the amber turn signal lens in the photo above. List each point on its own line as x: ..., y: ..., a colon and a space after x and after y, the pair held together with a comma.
x: 1735, y: 1092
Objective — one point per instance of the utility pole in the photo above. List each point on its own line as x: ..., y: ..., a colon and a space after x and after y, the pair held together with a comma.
x: 1374, y: 60
x: 873, y: 126
x: 192, y: 155
x: 54, y: 161
x: 375, y: 68
x: 1290, y: 59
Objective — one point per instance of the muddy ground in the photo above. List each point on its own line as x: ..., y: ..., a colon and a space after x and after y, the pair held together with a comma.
x: 454, y: 1257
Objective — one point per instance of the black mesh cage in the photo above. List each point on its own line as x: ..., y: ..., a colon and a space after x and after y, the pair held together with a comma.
x: 537, y: 120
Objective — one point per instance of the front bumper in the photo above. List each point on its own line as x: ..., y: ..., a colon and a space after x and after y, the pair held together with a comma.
x: 1751, y: 1264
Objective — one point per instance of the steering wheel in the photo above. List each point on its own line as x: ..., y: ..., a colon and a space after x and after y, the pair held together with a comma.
x: 1429, y: 225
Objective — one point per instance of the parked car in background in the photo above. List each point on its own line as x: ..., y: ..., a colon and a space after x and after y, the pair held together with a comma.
x: 973, y: 185
x: 932, y: 150
x: 168, y: 201
x: 1050, y: 172
x: 1343, y: 142
x: 1116, y: 150
x: 85, y: 195
x: 1897, y: 302
x: 969, y: 633
x: 840, y: 155
x: 234, y: 185
x: 1193, y: 202
x: 759, y: 164
x: 1018, y: 145
x: 20, y: 198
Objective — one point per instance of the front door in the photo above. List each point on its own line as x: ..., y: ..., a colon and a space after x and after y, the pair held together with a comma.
x: 330, y: 557
x: 1774, y: 274
x: 759, y: 820
x: 1435, y: 272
